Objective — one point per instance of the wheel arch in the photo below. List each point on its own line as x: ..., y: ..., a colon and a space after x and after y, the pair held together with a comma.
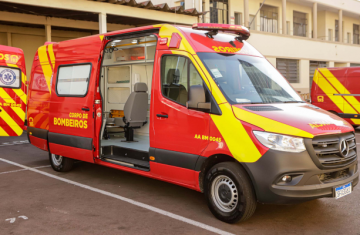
x: 218, y: 158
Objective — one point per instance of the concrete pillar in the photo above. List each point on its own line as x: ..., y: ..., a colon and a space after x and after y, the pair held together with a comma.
x: 340, y: 26
x: 48, y: 32
x: 284, y: 17
x: 314, y: 20
x: 246, y: 13
x: 8, y: 34
x: 102, y: 23
x: 330, y: 64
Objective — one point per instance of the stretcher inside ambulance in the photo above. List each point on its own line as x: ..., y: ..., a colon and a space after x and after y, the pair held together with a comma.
x: 195, y: 106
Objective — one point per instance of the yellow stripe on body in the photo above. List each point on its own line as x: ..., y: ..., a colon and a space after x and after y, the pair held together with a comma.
x: 45, y: 65
x: 51, y: 54
x: 329, y: 90
x: 3, y: 132
x: 341, y: 88
x: 18, y: 110
x: 236, y: 138
x: 269, y: 125
x: 9, y: 121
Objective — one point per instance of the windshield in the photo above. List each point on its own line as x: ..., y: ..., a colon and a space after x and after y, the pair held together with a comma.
x: 248, y: 79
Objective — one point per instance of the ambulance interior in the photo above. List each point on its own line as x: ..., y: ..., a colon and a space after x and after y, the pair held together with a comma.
x: 125, y: 85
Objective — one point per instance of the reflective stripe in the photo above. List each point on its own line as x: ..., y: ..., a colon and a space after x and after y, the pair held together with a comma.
x: 236, y: 138
x: 46, y: 67
x: 269, y: 124
x: 18, y: 110
x: 10, y: 122
x: 51, y: 54
x: 3, y: 132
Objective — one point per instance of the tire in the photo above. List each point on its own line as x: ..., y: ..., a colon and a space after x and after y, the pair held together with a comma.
x: 60, y: 163
x: 224, y: 183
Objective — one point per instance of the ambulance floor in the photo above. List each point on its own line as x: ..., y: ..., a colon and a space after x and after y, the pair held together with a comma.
x: 141, y: 142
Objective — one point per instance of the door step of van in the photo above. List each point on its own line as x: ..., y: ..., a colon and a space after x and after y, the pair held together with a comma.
x: 128, y: 162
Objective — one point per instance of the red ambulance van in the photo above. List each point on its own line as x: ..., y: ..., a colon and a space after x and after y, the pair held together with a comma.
x: 201, y: 108
x: 12, y: 91
x: 337, y: 90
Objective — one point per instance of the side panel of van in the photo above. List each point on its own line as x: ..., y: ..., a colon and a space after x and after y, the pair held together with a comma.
x: 12, y: 91
x: 39, y: 97
x: 353, y: 86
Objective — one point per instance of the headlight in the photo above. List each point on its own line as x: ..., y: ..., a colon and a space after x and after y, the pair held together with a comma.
x: 280, y: 142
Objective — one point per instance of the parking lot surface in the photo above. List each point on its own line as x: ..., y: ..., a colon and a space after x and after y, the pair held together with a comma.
x: 93, y: 199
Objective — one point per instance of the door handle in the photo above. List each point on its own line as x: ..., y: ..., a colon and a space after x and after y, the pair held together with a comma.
x: 162, y: 115
x: 85, y: 109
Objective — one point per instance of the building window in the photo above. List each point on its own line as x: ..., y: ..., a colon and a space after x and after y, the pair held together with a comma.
x: 348, y: 38
x: 299, y: 24
x: 219, y: 11
x: 354, y: 65
x: 289, y: 69
x: 252, y: 21
x: 73, y: 80
x: 237, y: 18
x: 356, y: 34
x: 330, y: 34
x: 313, y: 66
x: 269, y: 19
x: 336, y: 30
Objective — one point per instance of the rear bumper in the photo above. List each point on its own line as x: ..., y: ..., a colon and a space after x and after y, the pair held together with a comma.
x: 306, y: 185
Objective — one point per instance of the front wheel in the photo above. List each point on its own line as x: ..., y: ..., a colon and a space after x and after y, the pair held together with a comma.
x: 229, y: 193
x: 60, y: 163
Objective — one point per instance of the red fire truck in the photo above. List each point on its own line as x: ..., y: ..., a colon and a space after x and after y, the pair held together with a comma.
x: 194, y: 106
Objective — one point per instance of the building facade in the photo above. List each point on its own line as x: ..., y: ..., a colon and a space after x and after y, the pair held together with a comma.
x: 296, y: 36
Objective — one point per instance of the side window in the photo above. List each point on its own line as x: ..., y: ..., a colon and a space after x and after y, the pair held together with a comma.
x: 10, y: 77
x: 73, y: 80
x: 174, y: 82
x: 194, y: 76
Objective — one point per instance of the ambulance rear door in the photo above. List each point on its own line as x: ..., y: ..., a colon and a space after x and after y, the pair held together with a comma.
x: 72, y: 114
x: 12, y: 91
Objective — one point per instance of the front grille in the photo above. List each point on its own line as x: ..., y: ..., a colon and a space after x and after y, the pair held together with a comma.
x: 334, y: 176
x: 328, y: 153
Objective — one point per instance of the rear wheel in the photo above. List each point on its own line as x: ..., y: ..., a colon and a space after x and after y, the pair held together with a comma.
x: 60, y: 163
x: 229, y: 192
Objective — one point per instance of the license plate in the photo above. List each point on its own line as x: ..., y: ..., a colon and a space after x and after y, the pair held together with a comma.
x: 342, y: 191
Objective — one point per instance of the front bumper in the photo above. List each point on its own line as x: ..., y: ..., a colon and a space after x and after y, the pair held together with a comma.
x: 306, y: 185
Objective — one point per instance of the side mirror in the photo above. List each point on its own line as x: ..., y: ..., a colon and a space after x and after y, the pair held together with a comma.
x: 197, y: 99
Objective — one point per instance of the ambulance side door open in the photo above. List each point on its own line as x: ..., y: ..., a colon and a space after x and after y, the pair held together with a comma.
x: 178, y: 134
x: 12, y: 91
x: 71, y: 129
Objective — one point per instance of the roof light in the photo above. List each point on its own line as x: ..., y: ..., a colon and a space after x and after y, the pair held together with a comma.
x: 242, y: 31
x: 163, y: 41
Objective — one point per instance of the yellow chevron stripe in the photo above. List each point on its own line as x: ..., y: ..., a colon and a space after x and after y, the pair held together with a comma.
x: 51, y: 54
x: 3, y: 132
x: 18, y: 110
x: 46, y: 67
x: 270, y: 125
x: 21, y: 94
x: 9, y: 121
x: 341, y: 88
x: 236, y: 138
x: 329, y: 90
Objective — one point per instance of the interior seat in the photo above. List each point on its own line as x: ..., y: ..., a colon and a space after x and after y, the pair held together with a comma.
x: 175, y: 90
x: 135, y: 110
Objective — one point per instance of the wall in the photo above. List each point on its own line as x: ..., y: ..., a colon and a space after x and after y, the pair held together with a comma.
x: 30, y: 39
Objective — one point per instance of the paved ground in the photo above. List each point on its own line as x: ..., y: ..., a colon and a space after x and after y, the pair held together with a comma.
x: 44, y: 205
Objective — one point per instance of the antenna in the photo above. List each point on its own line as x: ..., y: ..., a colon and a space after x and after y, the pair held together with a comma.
x: 262, y: 4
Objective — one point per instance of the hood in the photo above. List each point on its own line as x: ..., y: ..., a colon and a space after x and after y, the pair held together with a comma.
x: 299, y: 119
